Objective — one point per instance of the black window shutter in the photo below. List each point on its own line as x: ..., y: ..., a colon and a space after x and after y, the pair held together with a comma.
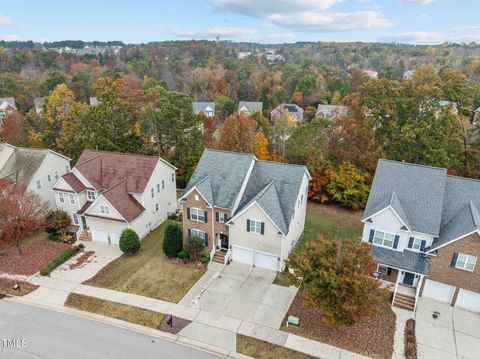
x: 188, y: 213
x: 262, y: 228
x: 395, y: 241
x: 410, y: 242
x: 206, y: 216
x: 206, y: 240
x: 248, y: 225
x: 422, y: 246
x: 189, y: 232
x: 372, y: 233
x: 454, y: 259
x: 389, y: 271
x: 216, y: 216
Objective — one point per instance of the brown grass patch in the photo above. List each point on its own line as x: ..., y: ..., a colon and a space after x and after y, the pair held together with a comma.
x: 6, y: 287
x: 263, y: 350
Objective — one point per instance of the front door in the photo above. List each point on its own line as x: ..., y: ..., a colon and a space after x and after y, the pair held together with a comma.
x: 84, y: 223
x: 408, y: 278
x: 223, y: 241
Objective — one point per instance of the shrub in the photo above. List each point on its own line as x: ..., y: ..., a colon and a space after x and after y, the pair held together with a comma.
x: 57, y: 222
x: 195, y: 246
x: 183, y: 254
x: 410, y: 341
x: 172, y: 240
x: 129, y: 241
x: 60, y: 259
x: 205, y: 258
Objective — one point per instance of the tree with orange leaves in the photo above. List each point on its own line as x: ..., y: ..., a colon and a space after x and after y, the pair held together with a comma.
x: 260, y: 147
x: 238, y: 134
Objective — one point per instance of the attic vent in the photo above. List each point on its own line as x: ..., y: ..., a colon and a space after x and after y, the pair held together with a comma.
x: 404, y: 228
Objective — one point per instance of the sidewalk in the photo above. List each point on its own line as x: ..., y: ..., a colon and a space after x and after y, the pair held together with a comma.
x: 209, y: 328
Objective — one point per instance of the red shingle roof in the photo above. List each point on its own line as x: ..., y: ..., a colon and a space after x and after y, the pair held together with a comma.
x: 74, y: 182
x: 123, y: 202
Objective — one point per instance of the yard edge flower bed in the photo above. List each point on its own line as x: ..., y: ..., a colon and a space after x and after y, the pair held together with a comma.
x: 60, y: 259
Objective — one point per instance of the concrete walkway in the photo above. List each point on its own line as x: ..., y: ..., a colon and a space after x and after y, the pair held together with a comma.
x: 399, y: 338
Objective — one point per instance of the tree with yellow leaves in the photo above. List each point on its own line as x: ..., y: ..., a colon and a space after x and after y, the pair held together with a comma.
x: 260, y: 146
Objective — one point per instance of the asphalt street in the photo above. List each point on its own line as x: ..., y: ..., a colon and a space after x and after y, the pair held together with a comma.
x: 30, y: 332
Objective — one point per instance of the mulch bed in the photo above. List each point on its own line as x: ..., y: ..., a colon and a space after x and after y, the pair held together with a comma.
x: 83, y: 258
x: 372, y: 336
x: 410, y: 340
x: 177, y: 324
x: 37, y: 253
x: 6, y: 287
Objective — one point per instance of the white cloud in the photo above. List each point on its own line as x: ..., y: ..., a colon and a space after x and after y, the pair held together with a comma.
x: 263, y: 8
x: 234, y: 33
x: 328, y: 22
x: 5, y: 20
x: 11, y: 38
x: 304, y: 15
x: 423, y: 2
x: 432, y: 38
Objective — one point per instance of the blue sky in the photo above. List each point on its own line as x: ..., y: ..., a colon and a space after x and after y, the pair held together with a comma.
x: 268, y: 21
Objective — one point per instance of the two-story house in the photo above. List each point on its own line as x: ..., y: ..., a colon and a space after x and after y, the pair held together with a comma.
x: 424, y: 229
x: 248, y: 108
x: 244, y: 209
x: 287, y: 109
x: 330, y: 112
x: 7, y: 107
x: 35, y: 169
x: 207, y: 108
x: 107, y: 192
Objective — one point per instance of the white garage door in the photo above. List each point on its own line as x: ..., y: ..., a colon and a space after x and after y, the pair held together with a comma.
x: 438, y: 291
x: 267, y: 260
x: 99, y: 236
x: 242, y: 255
x: 469, y: 300
x: 114, y: 238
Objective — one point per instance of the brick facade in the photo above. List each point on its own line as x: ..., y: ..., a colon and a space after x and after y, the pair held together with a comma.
x: 212, y: 227
x: 441, y: 271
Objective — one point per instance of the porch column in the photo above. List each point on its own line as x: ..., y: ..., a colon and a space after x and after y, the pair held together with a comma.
x: 396, y: 286
x: 417, y: 291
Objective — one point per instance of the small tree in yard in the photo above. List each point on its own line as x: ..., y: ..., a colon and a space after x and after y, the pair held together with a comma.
x: 129, y: 241
x: 21, y: 213
x: 57, y: 222
x: 172, y: 240
x: 195, y: 246
x: 336, y: 278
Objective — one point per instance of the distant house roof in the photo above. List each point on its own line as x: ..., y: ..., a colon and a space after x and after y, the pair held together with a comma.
x: 202, y: 106
x: 250, y: 106
x: 274, y: 186
x: 22, y: 165
x: 407, y: 74
x: 331, y: 111
x: 427, y: 200
x: 290, y: 107
x: 370, y: 73
x: 4, y: 101
x: 477, y: 110
x: 93, y: 101
x: 38, y: 104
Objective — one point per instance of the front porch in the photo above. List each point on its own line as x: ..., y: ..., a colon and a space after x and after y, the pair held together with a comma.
x: 221, y: 251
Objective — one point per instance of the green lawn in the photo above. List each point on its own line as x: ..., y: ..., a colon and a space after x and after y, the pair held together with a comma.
x: 330, y: 221
x: 149, y: 272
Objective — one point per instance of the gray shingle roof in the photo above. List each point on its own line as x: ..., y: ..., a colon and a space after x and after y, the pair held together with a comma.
x: 406, y: 260
x: 331, y: 111
x: 274, y: 186
x: 201, y: 106
x: 419, y: 192
x: 22, y: 165
x: 9, y: 100
x: 251, y: 106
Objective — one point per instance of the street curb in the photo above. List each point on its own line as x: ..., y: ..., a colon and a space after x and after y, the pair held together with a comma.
x: 158, y: 334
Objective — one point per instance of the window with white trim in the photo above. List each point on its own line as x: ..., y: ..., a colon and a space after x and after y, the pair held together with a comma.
x: 197, y: 214
x: 417, y: 244
x: 156, y: 206
x: 222, y: 217
x: 91, y: 195
x: 382, y: 269
x: 163, y: 184
x: 158, y: 187
x: 197, y: 233
x: 104, y: 209
x: 466, y: 262
x: 384, y: 239
x: 256, y: 226
x: 61, y: 198
x: 152, y: 192
x: 38, y: 184
x: 56, y: 175
x: 173, y: 177
x: 67, y: 168
x: 72, y: 198
x: 75, y: 219
x: 49, y: 178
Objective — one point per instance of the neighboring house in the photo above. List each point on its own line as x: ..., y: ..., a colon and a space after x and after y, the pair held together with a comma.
x: 38, y: 104
x: 107, y: 192
x: 243, y: 55
x: 7, y: 107
x: 93, y: 101
x: 449, y: 104
x: 244, y: 209
x: 208, y: 108
x: 296, y: 112
x: 330, y: 112
x: 476, y: 116
x: 250, y: 107
x: 35, y: 169
x: 407, y: 75
x: 371, y: 74
x: 424, y: 228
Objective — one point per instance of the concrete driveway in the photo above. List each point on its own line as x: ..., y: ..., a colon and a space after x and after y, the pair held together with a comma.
x: 454, y: 334
x: 242, y: 292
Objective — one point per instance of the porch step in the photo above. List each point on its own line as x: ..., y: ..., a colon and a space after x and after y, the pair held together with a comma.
x: 85, y: 236
x: 219, y: 257
x: 404, y: 302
